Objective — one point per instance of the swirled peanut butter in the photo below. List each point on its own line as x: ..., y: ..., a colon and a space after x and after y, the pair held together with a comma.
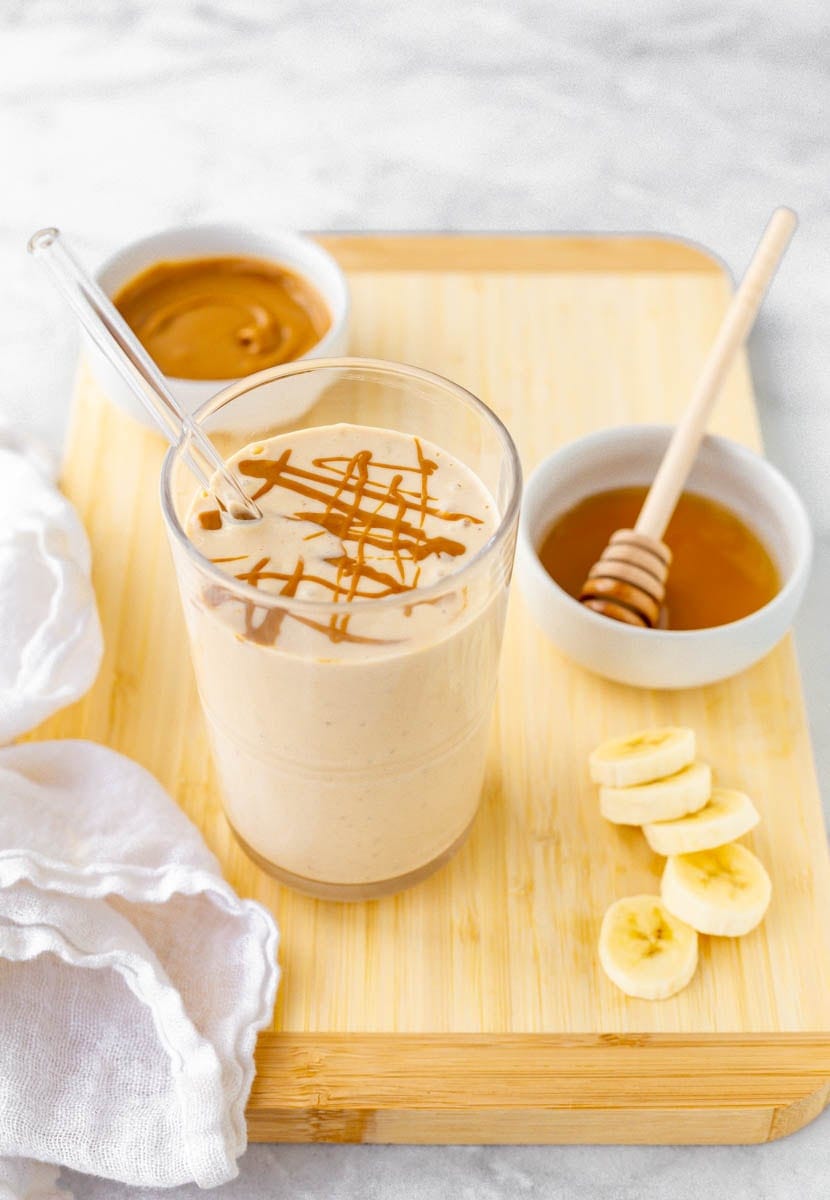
x: 221, y: 318
x: 349, y: 741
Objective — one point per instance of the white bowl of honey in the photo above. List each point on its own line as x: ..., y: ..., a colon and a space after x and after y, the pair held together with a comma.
x: 214, y: 303
x: 741, y: 544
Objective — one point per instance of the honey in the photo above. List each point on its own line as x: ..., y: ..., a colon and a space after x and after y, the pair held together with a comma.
x: 721, y: 571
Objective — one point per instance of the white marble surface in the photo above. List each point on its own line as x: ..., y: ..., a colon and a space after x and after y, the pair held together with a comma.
x: 694, y: 116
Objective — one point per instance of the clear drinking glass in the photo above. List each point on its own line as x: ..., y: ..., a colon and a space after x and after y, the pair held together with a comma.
x: 350, y: 769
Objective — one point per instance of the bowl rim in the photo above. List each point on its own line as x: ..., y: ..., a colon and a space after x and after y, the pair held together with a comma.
x: 785, y: 598
x: 339, y: 307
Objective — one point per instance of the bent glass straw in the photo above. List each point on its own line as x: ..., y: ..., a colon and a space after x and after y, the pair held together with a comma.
x: 114, y: 338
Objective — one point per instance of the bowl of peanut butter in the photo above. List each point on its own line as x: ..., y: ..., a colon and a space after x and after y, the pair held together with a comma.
x: 214, y: 303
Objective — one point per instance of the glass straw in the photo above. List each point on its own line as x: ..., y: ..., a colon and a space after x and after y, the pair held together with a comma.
x: 114, y: 338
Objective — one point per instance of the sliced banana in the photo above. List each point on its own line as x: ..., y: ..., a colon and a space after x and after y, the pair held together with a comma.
x: 642, y: 757
x: 645, y: 950
x: 724, y: 891
x: 729, y: 814
x: 684, y: 792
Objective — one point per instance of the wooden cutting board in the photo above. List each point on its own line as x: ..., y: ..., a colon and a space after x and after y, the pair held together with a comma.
x: 472, y: 1008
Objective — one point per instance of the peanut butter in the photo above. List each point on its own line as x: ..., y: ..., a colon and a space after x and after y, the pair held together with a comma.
x: 222, y: 318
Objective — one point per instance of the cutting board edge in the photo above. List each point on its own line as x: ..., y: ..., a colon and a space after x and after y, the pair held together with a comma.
x: 522, y: 252
x: 713, y: 1089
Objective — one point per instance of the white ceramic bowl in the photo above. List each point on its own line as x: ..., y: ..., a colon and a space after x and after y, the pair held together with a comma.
x: 293, y: 250
x: 727, y: 472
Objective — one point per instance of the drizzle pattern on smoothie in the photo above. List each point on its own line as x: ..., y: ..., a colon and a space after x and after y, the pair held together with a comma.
x: 362, y: 524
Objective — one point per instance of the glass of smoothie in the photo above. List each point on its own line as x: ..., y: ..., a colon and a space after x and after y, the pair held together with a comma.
x: 346, y: 645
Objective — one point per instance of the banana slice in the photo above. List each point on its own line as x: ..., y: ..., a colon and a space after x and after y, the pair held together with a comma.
x: 728, y: 815
x: 645, y: 950
x: 724, y: 891
x: 642, y: 757
x: 684, y: 792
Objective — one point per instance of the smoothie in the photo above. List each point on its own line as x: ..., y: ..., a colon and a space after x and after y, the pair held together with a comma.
x: 349, y: 725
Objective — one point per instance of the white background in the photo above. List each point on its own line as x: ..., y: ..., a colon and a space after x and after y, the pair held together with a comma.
x: 690, y: 116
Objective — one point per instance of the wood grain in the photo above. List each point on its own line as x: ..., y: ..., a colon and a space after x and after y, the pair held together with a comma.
x: 530, y: 1089
x: 495, y: 956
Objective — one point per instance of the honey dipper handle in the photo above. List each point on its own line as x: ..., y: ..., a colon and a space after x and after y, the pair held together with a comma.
x: 677, y: 462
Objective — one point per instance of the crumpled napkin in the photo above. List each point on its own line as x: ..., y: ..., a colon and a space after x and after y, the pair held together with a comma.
x: 133, y: 981
x: 50, y: 636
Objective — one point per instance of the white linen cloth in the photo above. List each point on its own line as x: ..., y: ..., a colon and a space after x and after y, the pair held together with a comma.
x: 50, y: 636
x: 133, y: 981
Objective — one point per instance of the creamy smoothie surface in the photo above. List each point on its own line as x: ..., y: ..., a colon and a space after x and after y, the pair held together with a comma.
x: 350, y: 514
x: 350, y: 743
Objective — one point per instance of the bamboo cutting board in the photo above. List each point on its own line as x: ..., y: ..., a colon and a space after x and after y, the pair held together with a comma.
x: 472, y: 1008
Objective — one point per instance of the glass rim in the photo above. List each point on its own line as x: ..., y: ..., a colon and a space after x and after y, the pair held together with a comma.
x: 274, y: 600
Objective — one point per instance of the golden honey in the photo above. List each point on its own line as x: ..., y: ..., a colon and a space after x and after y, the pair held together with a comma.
x: 720, y: 572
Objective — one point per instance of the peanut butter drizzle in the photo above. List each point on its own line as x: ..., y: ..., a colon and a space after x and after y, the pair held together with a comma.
x: 343, y: 486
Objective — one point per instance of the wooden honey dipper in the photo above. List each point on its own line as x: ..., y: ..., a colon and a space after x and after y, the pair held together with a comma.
x: 628, y: 583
